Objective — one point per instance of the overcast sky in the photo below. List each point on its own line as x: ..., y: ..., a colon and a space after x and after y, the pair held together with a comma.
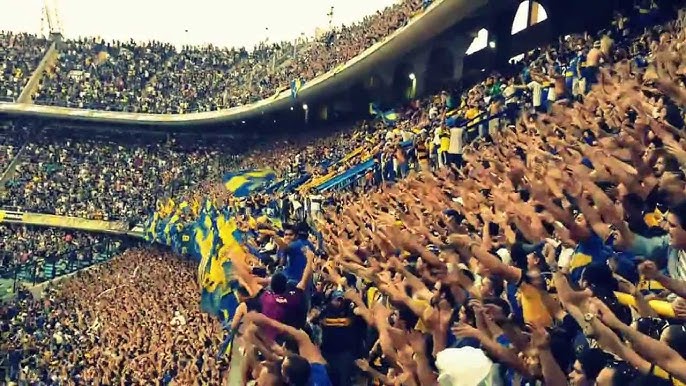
x: 228, y: 23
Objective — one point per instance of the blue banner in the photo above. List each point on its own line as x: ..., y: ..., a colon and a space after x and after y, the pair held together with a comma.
x: 389, y: 117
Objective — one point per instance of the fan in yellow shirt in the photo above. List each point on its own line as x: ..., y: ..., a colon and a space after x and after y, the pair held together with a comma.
x: 660, y: 373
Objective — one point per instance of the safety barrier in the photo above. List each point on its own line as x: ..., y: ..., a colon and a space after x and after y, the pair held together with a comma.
x: 58, y: 265
x: 352, y: 176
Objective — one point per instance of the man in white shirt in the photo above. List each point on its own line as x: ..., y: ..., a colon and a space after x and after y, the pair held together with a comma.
x: 316, y: 205
x: 536, y: 95
x: 297, y: 207
x: 178, y: 320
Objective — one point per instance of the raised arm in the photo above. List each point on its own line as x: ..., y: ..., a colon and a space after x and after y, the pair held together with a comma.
x: 653, y: 350
x: 650, y: 271
x: 307, y: 274
x: 308, y: 350
x: 375, y: 374
x: 278, y: 240
x: 495, y: 265
x: 609, y: 341
x: 503, y: 354
x: 552, y: 373
x: 360, y: 308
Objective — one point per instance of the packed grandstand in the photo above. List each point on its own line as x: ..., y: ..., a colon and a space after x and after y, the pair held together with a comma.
x: 526, y: 230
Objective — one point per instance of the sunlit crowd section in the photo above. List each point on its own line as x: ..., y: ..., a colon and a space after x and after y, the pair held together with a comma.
x: 158, y: 78
x: 20, y: 54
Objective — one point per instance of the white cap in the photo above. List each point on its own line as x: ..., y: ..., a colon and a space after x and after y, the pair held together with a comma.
x: 466, y: 366
x: 504, y: 255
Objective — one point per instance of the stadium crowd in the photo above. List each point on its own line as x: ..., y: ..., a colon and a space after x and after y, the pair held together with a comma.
x: 22, y: 245
x: 116, y: 178
x: 528, y: 262
x: 20, y: 54
x: 155, y: 78
x: 529, y: 256
x: 103, y: 76
x: 112, y: 324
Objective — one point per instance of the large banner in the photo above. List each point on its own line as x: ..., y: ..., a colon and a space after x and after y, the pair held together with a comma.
x: 211, y: 236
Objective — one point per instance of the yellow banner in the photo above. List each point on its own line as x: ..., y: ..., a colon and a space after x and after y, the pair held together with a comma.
x: 10, y: 215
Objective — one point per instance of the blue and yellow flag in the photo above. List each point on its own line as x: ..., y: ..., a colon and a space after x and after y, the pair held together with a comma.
x: 161, y: 225
x: 242, y: 184
x: 213, y: 239
x: 217, y: 239
x: 167, y: 208
x: 207, y: 241
x: 182, y: 240
x: 229, y: 233
x: 168, y: 229
x: 296, y: 85
x: 184, y: 207
x: 265, y: 219
x: 389, y: 117
x: 150, y: 225
x: 195, y: 206
x: 226, y: 346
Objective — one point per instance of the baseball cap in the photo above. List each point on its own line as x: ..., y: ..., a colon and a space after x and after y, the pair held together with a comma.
x: 464, y: 366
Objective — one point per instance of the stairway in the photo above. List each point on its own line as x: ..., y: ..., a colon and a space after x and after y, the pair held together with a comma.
x: 6, y: 289
x: 31, y: 87
x: 8, y: 173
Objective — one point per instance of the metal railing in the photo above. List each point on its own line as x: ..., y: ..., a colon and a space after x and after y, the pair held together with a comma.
x: 474, y: 129
x: 49, y: 267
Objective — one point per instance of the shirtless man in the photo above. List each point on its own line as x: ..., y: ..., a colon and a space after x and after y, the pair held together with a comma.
x: 593, y: 60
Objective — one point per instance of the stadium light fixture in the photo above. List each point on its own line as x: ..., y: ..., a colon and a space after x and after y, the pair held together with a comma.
x: 491, y: 44
x: 243, y: 122
x: 291, y: 108
x: 412, y: 76
x: 305, y: 107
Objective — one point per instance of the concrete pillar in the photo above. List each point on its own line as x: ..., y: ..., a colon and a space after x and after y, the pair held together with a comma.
x: 459, y: 44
